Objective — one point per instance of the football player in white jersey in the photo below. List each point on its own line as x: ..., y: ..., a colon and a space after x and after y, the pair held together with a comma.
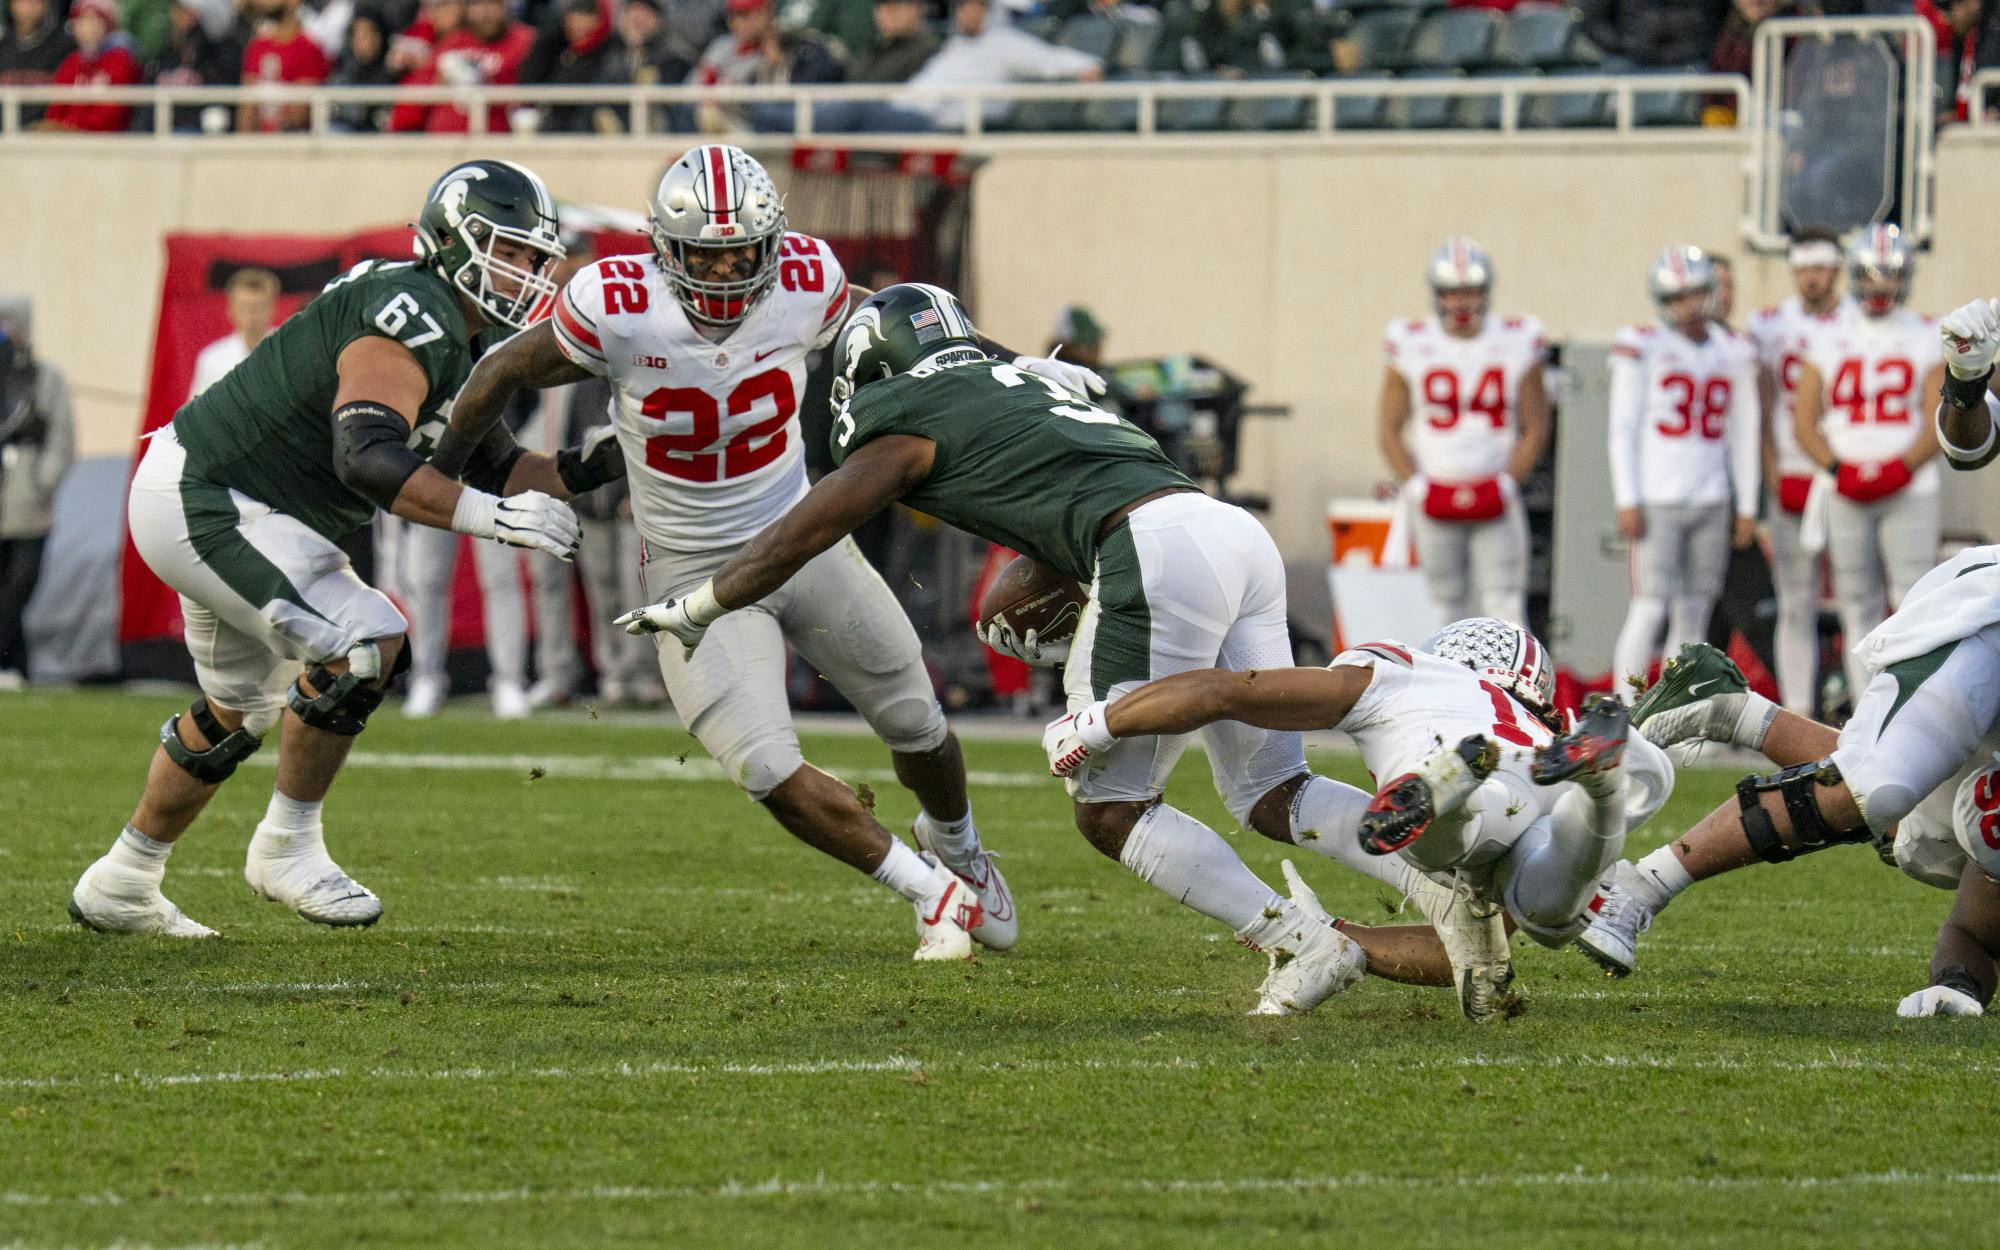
x: 1859, y: 412
x: 705, y: 341
x: 1464, y: 419
x: 1483, y: 798
x: 1683, y: 444
x: 1783, y: 336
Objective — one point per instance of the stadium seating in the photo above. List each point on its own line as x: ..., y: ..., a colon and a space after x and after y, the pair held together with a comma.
x: 1382, y: 37
x: 1272, y: 112
x: 1452, y: 39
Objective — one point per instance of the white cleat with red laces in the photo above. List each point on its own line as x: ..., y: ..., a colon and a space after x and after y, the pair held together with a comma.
x: 999, y: 927
x: 945, y: 920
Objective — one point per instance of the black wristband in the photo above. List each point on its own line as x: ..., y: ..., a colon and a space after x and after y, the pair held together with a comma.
x: 1958, y: 977
x: 580, y: 474
x: 1967, y: 393
x: 453, y: 451
x: 371, y: 454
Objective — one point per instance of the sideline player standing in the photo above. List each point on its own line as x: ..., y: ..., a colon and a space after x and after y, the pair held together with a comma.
x: 1863, y: 391
x: 1473, y: 384
x: 706, y: 342
x: 1177, y: 581
x: 1784, y: 337
x: 237, y: 504
x: 1683, y: 441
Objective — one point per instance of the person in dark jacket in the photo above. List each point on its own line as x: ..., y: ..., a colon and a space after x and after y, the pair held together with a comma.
x: 1655, y: 32
x: 576, y: 49
x: 35, y: 43
x: 364, y: 62
x: 193, y: 58
x: 903, y: 42
x: 645, y: 53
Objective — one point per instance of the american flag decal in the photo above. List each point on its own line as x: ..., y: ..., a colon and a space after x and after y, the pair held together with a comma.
x: 928, y: 317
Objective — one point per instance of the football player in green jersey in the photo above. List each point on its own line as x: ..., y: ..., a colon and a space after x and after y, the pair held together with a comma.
x: 1178, y: 580
x: 238, y: 503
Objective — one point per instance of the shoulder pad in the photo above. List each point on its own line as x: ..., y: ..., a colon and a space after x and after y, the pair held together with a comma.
x: 1394, y: 651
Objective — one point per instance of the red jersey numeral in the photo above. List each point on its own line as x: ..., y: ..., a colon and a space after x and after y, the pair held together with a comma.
x: 1894, y: 380
x: 805, y: 271
x: 627, y: 296
x: 691, y: 457
x: 1788, y: 372
x: 1701, y: 406
x: 1506, y: 725
x: 1441, y: 392
x: 1986, y: 797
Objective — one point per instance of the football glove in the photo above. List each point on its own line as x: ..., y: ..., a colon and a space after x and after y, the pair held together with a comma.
x: 1026, y: 647
x: 529, y: 519
x: 1939, y: 1000
x: 1071, y: 740
x: 1971, y: 338
x: 686, y: 618
x: 1084, y: 382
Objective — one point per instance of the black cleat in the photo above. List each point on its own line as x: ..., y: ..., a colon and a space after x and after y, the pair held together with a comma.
x: 1595, y: 745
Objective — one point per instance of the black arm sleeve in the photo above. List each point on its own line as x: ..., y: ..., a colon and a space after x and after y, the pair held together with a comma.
x: 993, y: 348
x: 371, y: 451
x: 490, y: 463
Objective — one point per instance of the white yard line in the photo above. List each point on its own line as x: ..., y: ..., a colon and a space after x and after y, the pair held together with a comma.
x: 618, y: 767
x: 822, y: 1187
x: 903, y: 1064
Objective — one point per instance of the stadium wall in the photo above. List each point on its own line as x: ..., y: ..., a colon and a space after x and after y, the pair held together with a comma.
x: 1282, y: 261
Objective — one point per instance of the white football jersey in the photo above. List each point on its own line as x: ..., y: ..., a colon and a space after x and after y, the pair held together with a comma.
x: 1872, y: 372
x: 710, y: 429
x: 1416, y: 702
x: 1783, y: 336
x: 1684, y: 418
x: 1464, y: 393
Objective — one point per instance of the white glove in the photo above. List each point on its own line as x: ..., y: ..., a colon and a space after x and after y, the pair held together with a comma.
x: 1084, y: 382
x: 686, y: 618
x: 1939, y: 1000
x: 1071, y: 740
x: 1028, y: 647
x: 1971, y: 338
x: 529, y: 519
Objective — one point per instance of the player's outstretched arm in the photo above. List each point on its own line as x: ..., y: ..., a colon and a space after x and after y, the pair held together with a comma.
x: 1269, y: 698
x: 531, y: 360
x: 1963, y: 972
x: 1966, y: 424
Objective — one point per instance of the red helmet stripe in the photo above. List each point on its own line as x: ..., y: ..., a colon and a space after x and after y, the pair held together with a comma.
x: 718, y: 185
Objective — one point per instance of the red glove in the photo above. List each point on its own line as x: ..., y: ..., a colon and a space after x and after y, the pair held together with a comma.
x: 1792, y: 492
x: 1465, y: 501
x: 1865, y: 483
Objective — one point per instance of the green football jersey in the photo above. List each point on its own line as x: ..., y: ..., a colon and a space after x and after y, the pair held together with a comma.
x: 1020, y: 460
x: 266, y: 429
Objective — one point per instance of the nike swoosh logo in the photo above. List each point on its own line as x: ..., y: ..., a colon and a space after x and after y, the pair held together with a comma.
x: 760, y: 355
x: 1696, y: 689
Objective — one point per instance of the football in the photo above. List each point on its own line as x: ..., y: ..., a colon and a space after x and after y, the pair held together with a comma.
x: 1028, y: 596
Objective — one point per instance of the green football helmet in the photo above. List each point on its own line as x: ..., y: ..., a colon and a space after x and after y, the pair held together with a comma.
x: 476, y: 205
x: 897, y: 330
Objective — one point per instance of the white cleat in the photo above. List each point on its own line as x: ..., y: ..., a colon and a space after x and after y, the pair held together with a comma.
x: 426, y: 698
x: 1474, y: 934
x: 510, y: 702
x: 113, y: 897
x: 1311, y: 961
x: 944, y: 927
x: 311, y: 884
x: 1617, y: 918
x: 999, y: 926
x: 550, y: 693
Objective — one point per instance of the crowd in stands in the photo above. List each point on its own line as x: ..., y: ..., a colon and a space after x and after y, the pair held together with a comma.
x: 382, y: 43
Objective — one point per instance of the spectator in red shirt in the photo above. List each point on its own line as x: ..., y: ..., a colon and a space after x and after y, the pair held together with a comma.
x: 281, y: 52
x: 488, y: 49
x: 99, y: 61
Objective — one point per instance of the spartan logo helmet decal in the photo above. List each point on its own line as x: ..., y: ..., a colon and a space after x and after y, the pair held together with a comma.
x: 458, y: 185
x: 864, y: 330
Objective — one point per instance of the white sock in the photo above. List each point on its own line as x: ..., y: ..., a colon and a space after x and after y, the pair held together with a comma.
x: 136, y: 848
x: 905, y: 872
x: 1174, y: 852
x: 1326, y: 819
x: 289, y: 815
x: 955, y: 841
x: 1753, y: 723
x: 1661, y: 877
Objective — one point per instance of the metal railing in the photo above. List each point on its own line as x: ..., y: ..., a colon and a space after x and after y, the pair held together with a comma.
x: 1763, y: 223
x: 646, y: 108
x: 1985, y: 92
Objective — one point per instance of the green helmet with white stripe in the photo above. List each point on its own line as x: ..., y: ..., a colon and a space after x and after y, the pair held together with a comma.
x: 897, y: 330
x: 482, y: 203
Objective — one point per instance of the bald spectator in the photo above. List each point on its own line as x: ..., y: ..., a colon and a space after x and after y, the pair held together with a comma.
x: 253, y: 306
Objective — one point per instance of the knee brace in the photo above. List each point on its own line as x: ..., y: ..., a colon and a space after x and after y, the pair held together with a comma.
x: 345, y: 701
x: 226, y: 749
x: 1809, y: 828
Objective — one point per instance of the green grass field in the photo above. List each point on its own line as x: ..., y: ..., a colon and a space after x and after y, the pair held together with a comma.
x: 608, y: 1005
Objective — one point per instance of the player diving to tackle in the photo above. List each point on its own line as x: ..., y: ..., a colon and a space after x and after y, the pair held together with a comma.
x: 236, y: 505
x: 706, y: 343
x: 1484, y: 796
x: 1178, y: 581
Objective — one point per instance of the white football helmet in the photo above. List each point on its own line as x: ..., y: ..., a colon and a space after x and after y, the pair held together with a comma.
x: 717, y: 196
x: 1459, y: 264
x: 1881, y: 266
x: 1506, y: 655
x: 1678, y: 270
